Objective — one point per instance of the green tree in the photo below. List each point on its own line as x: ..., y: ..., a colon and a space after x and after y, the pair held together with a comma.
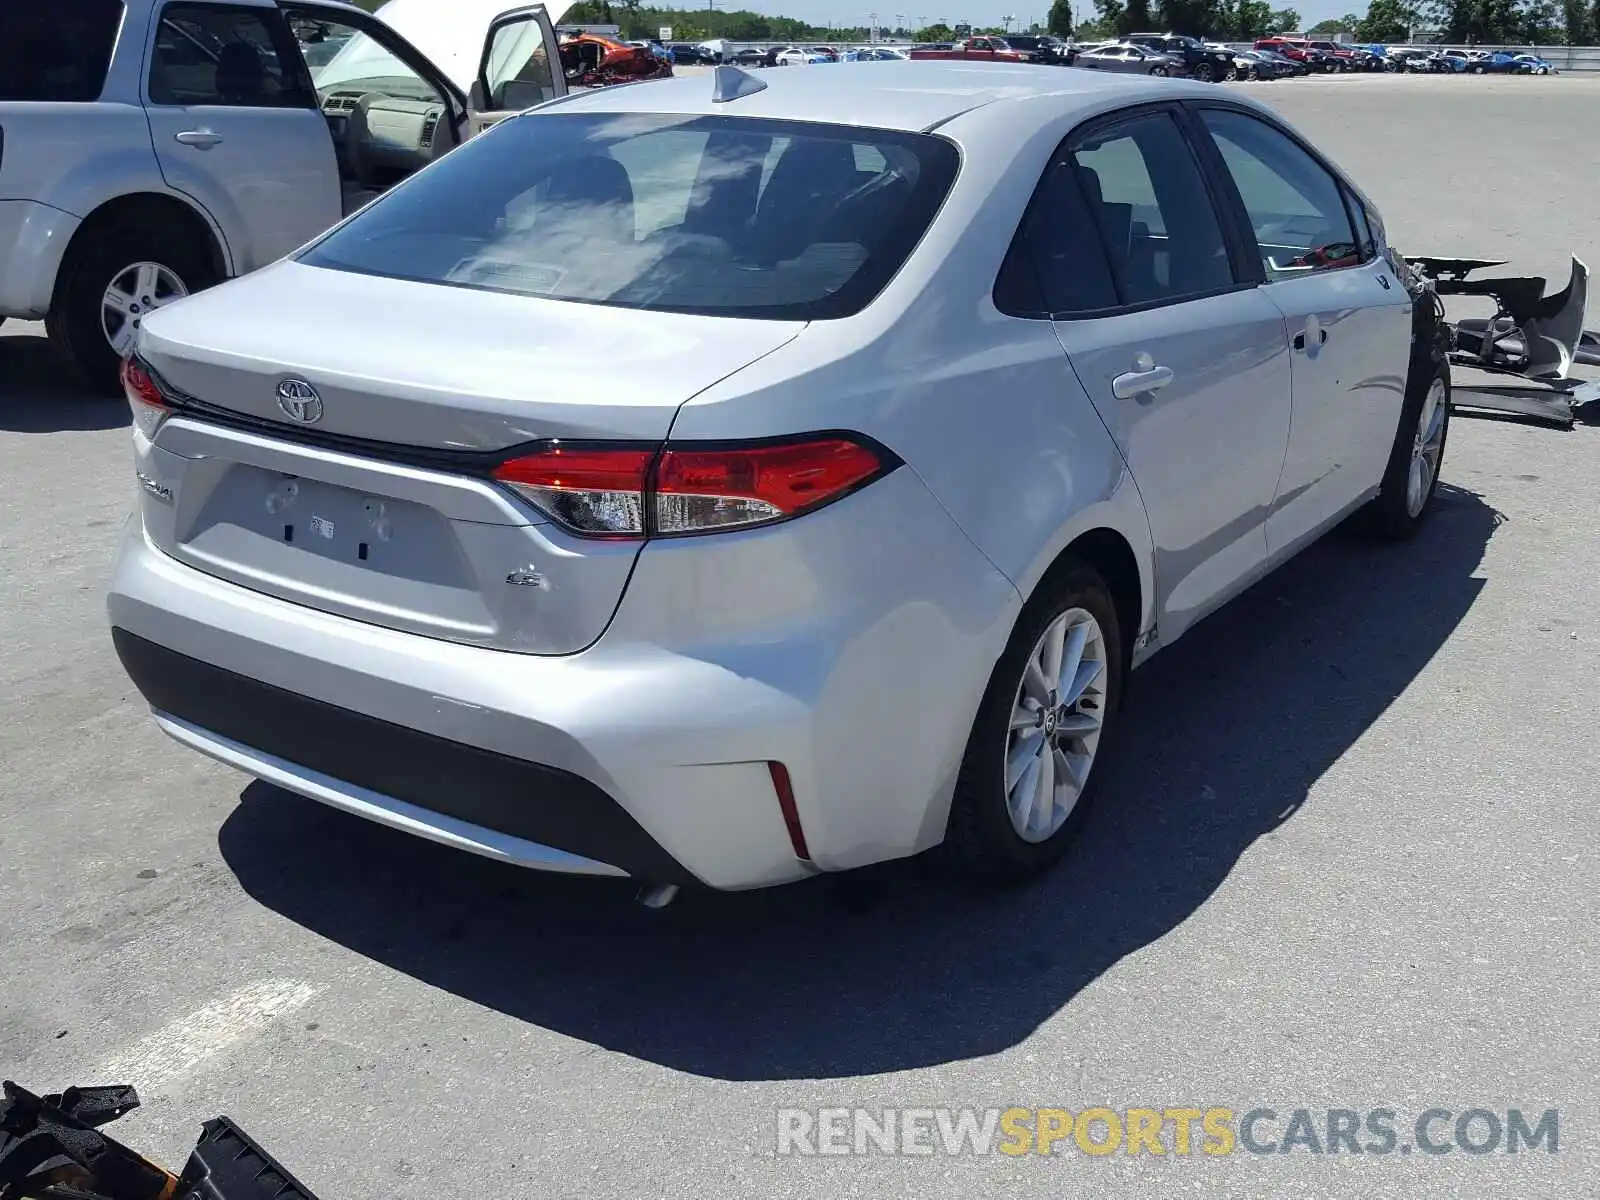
x: 1386, y: 21
x: 1578, y: 19
x: 1059, y: 19
x: 1283, y: 20
x: 939, y: 32
x: 1252, y: 19
x: 1540, y: 23
x: 1344, y: 24
x: 1197, y: 18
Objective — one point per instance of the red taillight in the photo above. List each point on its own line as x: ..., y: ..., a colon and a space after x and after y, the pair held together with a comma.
x: 612, y: 492
x: 599, y: 492
x: 718, y: 488
x: 149, y: 406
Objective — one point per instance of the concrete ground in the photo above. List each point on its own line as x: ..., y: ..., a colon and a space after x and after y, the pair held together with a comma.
x: 1348, y: 861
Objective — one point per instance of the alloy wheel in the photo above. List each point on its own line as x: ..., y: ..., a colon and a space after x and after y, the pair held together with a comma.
x: 1427, y: 447
x: 1056, y: 720
x: 136, y: 291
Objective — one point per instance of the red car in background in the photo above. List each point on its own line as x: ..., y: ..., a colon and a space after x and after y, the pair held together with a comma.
x: 1298, y: 50
x: 978, y: 49
x: 593, y: 60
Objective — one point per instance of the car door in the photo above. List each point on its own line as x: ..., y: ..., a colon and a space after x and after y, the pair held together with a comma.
x: 519, y: 67
x: 1348, y: 319
x: 388, y: 110
x: 1183, y: 358
x: 235, y: 127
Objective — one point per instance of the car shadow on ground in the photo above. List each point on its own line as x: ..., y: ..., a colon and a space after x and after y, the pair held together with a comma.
x: 36, y: 397
x: 892, y: 968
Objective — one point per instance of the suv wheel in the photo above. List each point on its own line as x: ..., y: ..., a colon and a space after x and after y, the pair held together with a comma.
x: 1205, y: 72
x: 1030, y: 773
x: 113, y: 278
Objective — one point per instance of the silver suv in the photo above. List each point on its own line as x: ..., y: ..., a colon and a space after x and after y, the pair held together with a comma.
x: 152, y: 148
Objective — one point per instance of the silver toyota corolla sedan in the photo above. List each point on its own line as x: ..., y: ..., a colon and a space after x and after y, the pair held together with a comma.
x: 724, y: 480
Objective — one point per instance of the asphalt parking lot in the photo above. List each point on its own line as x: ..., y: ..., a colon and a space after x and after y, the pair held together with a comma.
x: 1348, y: 861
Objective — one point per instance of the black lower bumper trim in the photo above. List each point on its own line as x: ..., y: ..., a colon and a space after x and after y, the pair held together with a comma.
x: 528, y: 800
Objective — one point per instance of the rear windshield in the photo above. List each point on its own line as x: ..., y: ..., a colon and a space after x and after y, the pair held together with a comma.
x: 56, y: 49
x: 724, y: 216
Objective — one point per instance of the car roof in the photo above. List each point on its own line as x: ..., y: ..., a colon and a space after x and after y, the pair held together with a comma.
x: 915, y: 96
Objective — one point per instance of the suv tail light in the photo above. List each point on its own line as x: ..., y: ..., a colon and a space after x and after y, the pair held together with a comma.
x: 150, y: 407
x: 630, y: 492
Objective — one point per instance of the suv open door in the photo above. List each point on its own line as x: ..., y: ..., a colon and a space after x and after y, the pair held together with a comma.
x: 520, y: 67
x: 502, y: 60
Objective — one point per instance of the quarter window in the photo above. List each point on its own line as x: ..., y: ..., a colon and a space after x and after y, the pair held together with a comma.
x: 1295, y: 205
x: 213, y: 55
x: 1056, y: 264
x: 1144, y: 193
x: 56, y: 50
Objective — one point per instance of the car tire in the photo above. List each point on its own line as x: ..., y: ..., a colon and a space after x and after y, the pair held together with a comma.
x: 1160, y: 71
x: 1402, y: 505
x: 75, y: 324
x: 1203, y: 73
x: 983, y: 840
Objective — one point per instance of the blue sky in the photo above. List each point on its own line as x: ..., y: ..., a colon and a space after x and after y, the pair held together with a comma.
x: 982, y: 12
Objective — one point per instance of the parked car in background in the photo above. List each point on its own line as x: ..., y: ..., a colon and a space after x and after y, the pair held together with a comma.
x: 684, y: 54
x: 1532, y: 64
x: 1299, y: 50
x: 1499, y: 62
x: 1455, y: 60
x: 1050, y: 50
x: 1342, y: 56
x: 749, y: 57
x: 1285, y: 64
x: 1257, y: 64
x: 875, y: 54
x: 986, y: 394
x: 975, y: 49
x: 800, y: 56
x: 153, y: 148
x: 1129, y: 60
x: 1410, y: 59
x: 1199, y: 61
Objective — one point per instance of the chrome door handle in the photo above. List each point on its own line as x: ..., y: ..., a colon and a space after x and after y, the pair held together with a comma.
x: 1137, y: 383
x: 200, y: 139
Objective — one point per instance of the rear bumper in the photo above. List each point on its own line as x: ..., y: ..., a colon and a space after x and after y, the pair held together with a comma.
x: 475, y: 799
x: 33, y: 241
x: 851, y: 646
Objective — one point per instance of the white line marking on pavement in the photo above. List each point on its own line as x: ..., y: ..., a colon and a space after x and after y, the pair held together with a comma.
x: 190, y: 1040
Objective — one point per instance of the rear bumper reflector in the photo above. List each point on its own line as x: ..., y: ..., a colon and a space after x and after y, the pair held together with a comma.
x: 791, y: 814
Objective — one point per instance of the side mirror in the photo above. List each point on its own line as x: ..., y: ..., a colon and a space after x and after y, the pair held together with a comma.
x: 477, y: 100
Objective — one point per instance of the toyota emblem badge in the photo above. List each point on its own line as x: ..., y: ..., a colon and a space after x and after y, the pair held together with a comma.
x: 300, y: 401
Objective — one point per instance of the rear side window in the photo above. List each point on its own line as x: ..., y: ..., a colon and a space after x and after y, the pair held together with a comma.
x: 722, y: 216
x: 1057, y: 264
x: 1145, y: 193
x: 211, y: 54
x: 57, y: 50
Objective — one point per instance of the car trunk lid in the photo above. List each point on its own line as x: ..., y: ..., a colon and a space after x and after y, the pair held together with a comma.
x: 377, y: 503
